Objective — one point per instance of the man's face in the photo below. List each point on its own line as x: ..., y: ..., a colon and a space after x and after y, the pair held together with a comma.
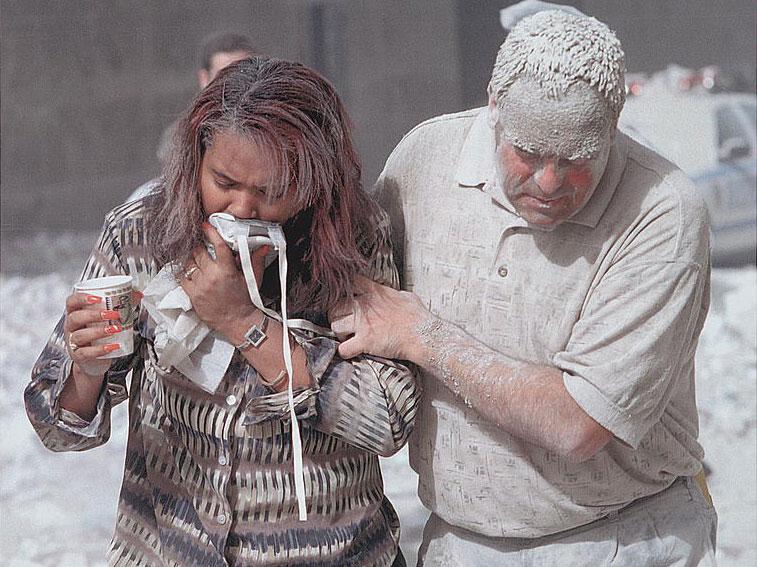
x: 217, y: 62
x: 550, y: 154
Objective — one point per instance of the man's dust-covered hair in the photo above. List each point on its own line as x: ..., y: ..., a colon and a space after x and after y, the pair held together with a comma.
x: 557, y: 50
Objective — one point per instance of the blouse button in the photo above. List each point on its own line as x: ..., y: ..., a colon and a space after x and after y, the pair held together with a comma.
x: 221, y: 519
x: 502, y: 271
x: 222, y: 460
x: 231, y: 399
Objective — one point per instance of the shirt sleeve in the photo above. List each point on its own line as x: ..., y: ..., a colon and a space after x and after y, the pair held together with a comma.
x: 58, y: 428
x: 631, y: 345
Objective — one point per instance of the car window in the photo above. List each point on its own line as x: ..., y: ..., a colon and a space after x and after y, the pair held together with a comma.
x: 731, y: 130
x: 750, y: 109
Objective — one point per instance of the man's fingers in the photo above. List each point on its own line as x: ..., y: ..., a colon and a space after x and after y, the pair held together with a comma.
x: 344, y: 326
x: 342, y: 309
x: 350, y: 348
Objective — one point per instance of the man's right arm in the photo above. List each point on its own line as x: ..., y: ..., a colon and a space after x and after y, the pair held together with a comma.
x: 528, y: 401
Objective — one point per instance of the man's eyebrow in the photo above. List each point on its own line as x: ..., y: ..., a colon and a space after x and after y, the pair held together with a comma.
x: 523, y: 148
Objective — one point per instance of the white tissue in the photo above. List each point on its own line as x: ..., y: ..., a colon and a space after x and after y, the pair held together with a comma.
x: 182, y: 340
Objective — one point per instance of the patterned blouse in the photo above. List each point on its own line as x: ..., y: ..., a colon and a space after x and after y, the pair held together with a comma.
x: 208, y: 478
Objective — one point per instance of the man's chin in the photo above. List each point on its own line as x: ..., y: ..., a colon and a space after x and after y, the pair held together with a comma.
x: 540, y: 221
x: 544, y: 227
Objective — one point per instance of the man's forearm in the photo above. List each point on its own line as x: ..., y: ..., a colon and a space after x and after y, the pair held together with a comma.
x: 528, y: 401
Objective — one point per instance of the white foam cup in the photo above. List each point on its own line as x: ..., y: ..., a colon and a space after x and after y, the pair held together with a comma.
x: 116, y: 294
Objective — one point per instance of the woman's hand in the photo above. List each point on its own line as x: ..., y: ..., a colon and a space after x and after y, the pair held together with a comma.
x: 217, y: 288
x: 86, y: 321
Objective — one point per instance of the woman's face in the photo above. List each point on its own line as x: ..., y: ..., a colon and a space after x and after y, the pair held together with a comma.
x: 234, y: 179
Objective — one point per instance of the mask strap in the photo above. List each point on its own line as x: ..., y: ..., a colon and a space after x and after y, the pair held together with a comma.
x: 279, y: 243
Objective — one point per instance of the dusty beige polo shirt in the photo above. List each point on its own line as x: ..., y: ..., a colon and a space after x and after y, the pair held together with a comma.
x: 615, y: 297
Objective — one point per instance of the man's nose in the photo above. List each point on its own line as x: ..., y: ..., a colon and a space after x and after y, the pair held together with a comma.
x: 549, y: 177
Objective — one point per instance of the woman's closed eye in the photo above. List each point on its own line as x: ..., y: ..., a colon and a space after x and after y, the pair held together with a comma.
x: 223, y: 181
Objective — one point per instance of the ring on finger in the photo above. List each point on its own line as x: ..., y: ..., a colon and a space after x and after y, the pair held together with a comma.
x: 72, y: 346
x: 188, y: 272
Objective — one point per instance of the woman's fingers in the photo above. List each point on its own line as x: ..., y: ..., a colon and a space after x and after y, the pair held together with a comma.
x: 77, y: 301
x: 87, y: 335
x: 82, y: 318
x: 86, y: 357
x: 224, y: 255
x: 82, y: 350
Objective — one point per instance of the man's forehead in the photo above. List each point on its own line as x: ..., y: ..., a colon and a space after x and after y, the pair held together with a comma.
x: 574, y: 125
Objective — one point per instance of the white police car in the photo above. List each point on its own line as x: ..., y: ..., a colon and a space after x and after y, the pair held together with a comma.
x: 711, y: 136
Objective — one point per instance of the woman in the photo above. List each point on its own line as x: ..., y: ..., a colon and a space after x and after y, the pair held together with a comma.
x: 208, y: 476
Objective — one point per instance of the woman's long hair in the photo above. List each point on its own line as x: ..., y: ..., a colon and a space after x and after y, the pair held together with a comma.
x: 293, y: 115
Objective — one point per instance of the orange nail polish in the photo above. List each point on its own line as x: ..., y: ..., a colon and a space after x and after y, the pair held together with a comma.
x: 206, y: 225
x: 92, y: 299
x: 108, y: 315
x: 112, y: 347
x: 113, y: 329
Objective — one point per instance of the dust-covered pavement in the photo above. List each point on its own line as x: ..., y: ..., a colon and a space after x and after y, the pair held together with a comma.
x: 58, y: 509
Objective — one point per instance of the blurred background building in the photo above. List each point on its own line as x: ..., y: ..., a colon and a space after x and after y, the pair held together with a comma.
x: 88, y: 87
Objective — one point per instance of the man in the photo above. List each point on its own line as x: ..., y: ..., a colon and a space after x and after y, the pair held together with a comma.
x: 217, y: 52
x: 560, y: 279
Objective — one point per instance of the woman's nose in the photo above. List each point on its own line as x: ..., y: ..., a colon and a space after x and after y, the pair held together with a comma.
x: 243, y: 205
x: 550, y: 177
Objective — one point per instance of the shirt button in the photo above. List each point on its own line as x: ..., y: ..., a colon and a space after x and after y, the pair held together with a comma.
x: 502, y: 271
x: 222, y: 460
x: 231, y: 399
x: 221, y: 519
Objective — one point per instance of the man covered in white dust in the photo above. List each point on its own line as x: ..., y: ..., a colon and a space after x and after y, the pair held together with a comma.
x: 557, y: 280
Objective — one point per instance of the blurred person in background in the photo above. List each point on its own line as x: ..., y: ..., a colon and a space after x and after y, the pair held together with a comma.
x: 557, y: 280
x: 208, y: 476
x: 216, y: 52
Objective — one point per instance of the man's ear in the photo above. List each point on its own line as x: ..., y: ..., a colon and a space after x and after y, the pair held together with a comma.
x: 492, y: 111
x: 203, y: 78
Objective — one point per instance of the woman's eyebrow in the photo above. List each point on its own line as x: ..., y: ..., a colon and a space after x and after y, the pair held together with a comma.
x: 218, y: 173
x: 224, y: 177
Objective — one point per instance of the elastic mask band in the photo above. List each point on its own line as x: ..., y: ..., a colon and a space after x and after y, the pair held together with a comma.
x: 277, y: 236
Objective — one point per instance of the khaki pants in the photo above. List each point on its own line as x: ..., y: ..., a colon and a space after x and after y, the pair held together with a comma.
x: 675, y: 527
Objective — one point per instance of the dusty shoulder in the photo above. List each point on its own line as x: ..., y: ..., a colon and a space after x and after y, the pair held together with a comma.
x: 432, y: 136
x: 671, y: 201
x: 672, y: 183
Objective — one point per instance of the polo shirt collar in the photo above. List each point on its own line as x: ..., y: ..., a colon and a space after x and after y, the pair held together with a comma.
x: 475, y: 168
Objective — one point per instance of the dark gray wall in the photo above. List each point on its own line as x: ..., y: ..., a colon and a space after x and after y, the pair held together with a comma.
x: 87, y: 87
